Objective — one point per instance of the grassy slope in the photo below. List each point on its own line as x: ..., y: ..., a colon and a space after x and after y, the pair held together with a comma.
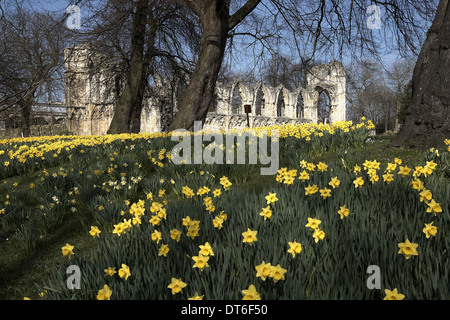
x: 19, y: 272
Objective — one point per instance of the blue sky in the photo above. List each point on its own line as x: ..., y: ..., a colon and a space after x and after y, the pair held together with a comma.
x: 243, y: 61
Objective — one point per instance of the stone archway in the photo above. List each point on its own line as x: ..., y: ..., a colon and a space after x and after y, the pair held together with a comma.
x: 332, y: 79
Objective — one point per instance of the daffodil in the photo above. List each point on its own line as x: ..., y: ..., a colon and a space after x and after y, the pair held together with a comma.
x: 294, y: 248
x: 156, y: 236
x: 95, y: 232
x: 334, y: 182
x: 322, y: 167
x: 388, y: 177
x: 206, y: 249
x: 343, y: 212
x: 249, y: 236
x: 277, y: 273
x: 263, y: 270
x: 251, y: 293
x: 325, y: 193
x: 201, y: 261
x: 425, y: 195
x: 67, y: 250
x: 303, y: 175
x: 318, y: 235
x: 110, y: 271
x: 358, y: 182
x: 429, y: 230
x: 271, y: 198
x: 196, y: 297
x: 404, y: 171
x: 104, y: 293
x: 175, y: 234
x: 163, y: 250
x: 309, y: 190
x: 124, y: 271
x: 176, y: 285
x: 266, y: 213
x: 313, y: 223
x: 393, y: 295
x: 408, y: 249
x: 434, y: 207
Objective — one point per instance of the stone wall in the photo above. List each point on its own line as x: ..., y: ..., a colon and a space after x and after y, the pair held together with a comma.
x: 36, y: 131
x: 92, y: 90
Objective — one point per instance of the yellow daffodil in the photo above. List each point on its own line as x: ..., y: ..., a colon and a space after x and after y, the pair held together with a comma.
x: 196, y: 297
x: 110, y: 271
x: 343, y: 212
x: 176, y: 285
x: 334, y: 182
x: 249, y: 236
x: 325, y: 193
x: 271, y: 198
x: 206, y: 249
x: 318, y: 235
x: 124, y: 271
x: 429, y: 230
x: 408, y: 249
x: 163, y: 250
x: 67, y: 250
x: 358, y: 182
x: 294, y: 248
x: 104, y: 293
x: 175, y: 235
x: 201, y: 262
x: 313, y: 223
x: 263, y: 270
x: 251, y: 293
x: 277, y: 273
x: 95, y: 232
x: 266, y: 213
x: 434, y: 207
x: 393, y: 295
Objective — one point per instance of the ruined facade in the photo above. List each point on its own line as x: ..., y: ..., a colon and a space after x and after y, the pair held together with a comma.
x: 92, y: 88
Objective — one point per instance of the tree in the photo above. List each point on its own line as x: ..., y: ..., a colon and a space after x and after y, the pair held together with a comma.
x: 145, y: 40
x: 216, y: 21
x: 427, y: 118
x: 330, y: 26
x: 31, y: 60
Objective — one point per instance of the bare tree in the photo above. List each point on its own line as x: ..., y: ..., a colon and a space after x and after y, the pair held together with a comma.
x: 331, y: 27
x: 31, y: 60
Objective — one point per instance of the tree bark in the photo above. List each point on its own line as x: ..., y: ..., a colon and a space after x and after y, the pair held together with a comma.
x: 200, y: 93
x: 427, y: 118
x: 121, y: 121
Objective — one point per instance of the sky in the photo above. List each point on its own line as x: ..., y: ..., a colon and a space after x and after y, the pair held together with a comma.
x: 243, y: 61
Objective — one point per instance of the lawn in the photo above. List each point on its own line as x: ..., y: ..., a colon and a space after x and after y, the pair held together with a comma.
x: 56, y: 189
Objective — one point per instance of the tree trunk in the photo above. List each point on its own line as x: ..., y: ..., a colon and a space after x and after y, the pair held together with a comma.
x: 199, y: 94
x: 26, y: 105
x: 128, y: 99
x: 427, y: 119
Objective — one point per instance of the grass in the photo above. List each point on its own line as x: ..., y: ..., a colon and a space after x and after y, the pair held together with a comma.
x: 19, y: 272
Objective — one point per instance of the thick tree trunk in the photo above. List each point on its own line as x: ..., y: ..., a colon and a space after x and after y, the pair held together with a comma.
x: 128, y: 99
x: 427, y: 119
x: 26, y: 105
x: 199, y: 94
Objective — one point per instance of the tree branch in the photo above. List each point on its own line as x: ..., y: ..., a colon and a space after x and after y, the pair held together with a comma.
x: 243, y: 12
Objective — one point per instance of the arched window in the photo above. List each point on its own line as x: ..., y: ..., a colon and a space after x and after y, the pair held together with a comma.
x: 280, y: 105
x: 236, y: 101
x: 299, y: 109
x: 323, y: 106
x: 259, y: 101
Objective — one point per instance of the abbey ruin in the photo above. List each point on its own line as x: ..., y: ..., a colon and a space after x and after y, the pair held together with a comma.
x: 92, y: 88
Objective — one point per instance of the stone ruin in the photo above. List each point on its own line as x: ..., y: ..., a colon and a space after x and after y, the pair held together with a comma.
x: 92, y: 87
